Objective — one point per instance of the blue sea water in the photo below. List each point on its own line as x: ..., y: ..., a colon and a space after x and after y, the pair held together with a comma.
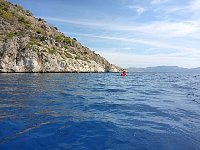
x: 142, y: 111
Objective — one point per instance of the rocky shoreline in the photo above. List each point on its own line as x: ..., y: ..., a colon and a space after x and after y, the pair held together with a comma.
x: 29, y: 44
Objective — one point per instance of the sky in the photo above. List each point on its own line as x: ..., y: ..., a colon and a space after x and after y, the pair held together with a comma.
x: 128, y: 33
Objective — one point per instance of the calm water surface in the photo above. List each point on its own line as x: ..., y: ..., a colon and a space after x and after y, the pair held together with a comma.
x: 143, y: 111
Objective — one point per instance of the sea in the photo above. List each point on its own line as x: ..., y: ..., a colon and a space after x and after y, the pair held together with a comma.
x: 99, y: 111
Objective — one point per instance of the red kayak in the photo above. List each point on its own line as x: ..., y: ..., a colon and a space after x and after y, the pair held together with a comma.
x: 124, y: 74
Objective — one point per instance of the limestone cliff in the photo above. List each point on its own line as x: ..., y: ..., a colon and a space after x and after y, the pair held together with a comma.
x: 28, y: 44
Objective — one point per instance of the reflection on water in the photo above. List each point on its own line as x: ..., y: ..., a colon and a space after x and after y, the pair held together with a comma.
x: 100, y: 111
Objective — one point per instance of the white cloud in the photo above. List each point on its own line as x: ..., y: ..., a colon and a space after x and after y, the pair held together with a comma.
x: 174, y: 9
x: 123, y: 39
x: 158, y: 36
x: 173, y: 29
x: 161, y: 28
x: 76, y: 22
x: 159, y: 1
x: 194, y: 5
x: 138, y: 9
x: 191, y: 8
x: 179, y: 50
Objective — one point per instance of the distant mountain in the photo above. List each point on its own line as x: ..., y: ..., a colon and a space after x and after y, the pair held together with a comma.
x: 195, y: 70
x: 164, y: 69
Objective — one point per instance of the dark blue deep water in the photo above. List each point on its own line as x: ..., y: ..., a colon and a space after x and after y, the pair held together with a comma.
x: 142, y: 111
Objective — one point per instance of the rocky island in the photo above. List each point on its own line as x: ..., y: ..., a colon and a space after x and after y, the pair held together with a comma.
x: 29, y: 44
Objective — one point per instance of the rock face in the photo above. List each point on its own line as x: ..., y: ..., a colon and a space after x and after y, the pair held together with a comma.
x: 28, y: 44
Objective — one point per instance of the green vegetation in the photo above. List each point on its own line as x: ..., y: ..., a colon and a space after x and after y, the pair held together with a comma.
x: 11, y: 34
x: 38, y: 31
x: 58, y: 38
x: 23, y: 22
x: 81, y: 57
x: 9, y: 16
x: 6, y: 15
x: 29, y: 45
x: 21, y: 18
x: 32, y: 43
x: 28, y: 13
x: 85, y: 53
x: 27, y: 25
x: 52, y: 50
x: 40, y: 19
x: 3, y: 5
x: 42, y: 38
x: 65, y: 54
x: 19, y: 8
x: 21, y: 33
x: 64, y: 39
x: 67, y: 40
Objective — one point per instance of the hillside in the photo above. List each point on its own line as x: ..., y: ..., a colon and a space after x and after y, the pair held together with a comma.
x: 29, y: 44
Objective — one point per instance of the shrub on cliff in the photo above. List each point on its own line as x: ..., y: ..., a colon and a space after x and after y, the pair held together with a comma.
x: 67, y: 40
x: 6, y: 15
x: 11, y: 34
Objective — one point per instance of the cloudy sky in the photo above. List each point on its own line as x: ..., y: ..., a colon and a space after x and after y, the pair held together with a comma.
x: 129, y: 33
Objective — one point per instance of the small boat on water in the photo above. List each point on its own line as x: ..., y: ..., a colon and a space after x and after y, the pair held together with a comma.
x: 124, y: 73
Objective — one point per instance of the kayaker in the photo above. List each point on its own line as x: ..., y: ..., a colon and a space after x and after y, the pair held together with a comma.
x: 124, y: 73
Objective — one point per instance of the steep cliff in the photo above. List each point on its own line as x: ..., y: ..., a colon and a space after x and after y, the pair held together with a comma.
x: 28, y: 44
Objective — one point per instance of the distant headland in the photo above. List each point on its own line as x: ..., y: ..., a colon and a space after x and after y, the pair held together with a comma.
x: 164, y: 69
